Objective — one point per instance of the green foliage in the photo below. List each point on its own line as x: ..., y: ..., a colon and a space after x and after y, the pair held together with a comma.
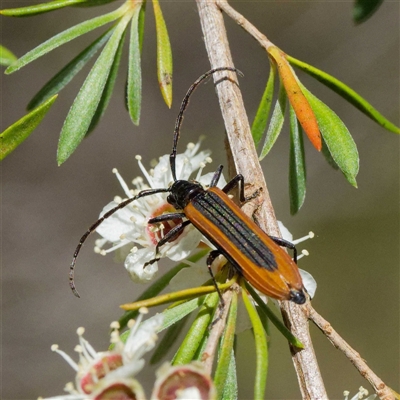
x: 226, y: 350
x: 261, y: 119
x: 260, y: 339
x: 164, y: 56
x: 192, y: 340
x: 168, y: 340
x: 63, y: 77
x: 297, y: 165
x: 94, y: 96
x: 230, y: 391
x: 337, y: 138
x: 338, y: 146
x: 108, y: 88
x: 93, y: 3
x: 273, y: 318
x: 64, y: 37
x: 158, y: 286
x: 39, y: 8
x: 134, y: 88
x: 346, y: 92
x: 6, y: 56
x: 276, y: 123
x: 85, y: 105
x: 14, y: 135
x: 364, y: 9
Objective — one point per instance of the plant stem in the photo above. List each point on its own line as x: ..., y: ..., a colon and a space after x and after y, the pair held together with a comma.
x: 216, y: 331
x: 246, y: 162
x: 245, y: 24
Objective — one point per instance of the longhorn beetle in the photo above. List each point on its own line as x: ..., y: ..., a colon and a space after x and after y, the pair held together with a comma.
x: 253, y: 254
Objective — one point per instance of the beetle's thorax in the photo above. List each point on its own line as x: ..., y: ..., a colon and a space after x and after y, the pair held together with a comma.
x: 182, y: 192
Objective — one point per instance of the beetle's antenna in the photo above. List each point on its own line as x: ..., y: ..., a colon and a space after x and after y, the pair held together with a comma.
x: 96, y: 224
x: 184, y: 104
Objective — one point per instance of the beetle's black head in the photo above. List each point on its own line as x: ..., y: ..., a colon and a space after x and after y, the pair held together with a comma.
x: 182, y: 192
x: 297, y: 296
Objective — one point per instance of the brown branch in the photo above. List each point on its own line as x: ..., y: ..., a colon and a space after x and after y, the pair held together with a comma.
x: 383, y: 391
x: 245, y: 24
x: 246, y: 162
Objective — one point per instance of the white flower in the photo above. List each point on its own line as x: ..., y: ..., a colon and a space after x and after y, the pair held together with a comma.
x: 129, y: 226
x: 97, y: 372
x: 362, y: 393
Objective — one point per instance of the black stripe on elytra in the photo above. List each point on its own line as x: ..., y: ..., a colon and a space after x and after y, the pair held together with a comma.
x: 219, y: 213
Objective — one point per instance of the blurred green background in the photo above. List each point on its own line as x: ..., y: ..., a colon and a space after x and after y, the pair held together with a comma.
x: 46, y: 209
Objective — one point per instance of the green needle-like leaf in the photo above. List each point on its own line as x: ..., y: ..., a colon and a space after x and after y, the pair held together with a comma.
x: 274, y: 319
x: 6, y: 57
x: 134, y: 88
x: 328, y: 156
x: 159, y: 285
x: 231, y: 385
x: 168, y: 340
x: 85, y: 105
x: 188, y: 348
x: 364, y: 9
x: 261, y: 348
x: 39, y: 8
x: 346, y: 92
x: 297, y: 165
x: 174, y: 297
x: 93, y: 3
x: 276, y: 124
x: 226, y: 349
x: 202, y: 347
x: 109, y: 87
x: 261, y: 119
x: 14, y: 135
x: 164, y: 56
x: 264, y: 320
x: 63, y: 77
x: 65, y: 37
x: 175, y: 314
x: 142, y: 15
x: 337, y: 137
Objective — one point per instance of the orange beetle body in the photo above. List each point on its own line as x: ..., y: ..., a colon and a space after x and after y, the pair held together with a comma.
x: 273, y: 272
x: 249, y: 249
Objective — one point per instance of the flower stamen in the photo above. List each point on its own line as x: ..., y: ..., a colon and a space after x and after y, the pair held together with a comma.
x: 65, y: 356
x: 144, y: 171
x: 310, y: 235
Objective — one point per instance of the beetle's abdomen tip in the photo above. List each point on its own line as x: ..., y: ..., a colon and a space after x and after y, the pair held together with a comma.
x: 297, y: 296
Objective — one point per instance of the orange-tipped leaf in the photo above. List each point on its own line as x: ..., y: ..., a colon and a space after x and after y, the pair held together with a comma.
x: 301, y: 106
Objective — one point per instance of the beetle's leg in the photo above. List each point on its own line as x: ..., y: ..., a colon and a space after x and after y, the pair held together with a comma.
x: 287, y: 244
x: 217, y: 175
x: 169, y: 236
x: 238, y: 180
x: 166, y: 217
x: 97, y: 223
x: 210, y: 259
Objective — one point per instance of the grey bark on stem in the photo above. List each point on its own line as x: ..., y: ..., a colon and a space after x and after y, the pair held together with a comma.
x: 246, y: 162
